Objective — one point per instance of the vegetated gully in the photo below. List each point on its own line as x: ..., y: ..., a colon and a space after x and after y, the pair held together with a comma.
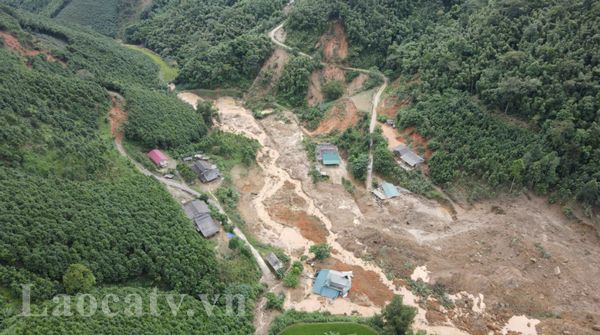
x: 235, y: 118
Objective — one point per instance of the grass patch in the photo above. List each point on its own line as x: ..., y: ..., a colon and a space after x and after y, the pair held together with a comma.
x: 168, y: 73
x: 342, y: 328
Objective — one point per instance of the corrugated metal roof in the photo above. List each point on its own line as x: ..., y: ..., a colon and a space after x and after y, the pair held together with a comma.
x: 205, y: 225
x: 274, y: 262
x: 195, y: 208
x: 389, y: 190
x: 408, y: 156
x: 157, y: 157
x: 331, y: 283
x: 199, y: 212
x: 331, y: 158
x: 206, y: 171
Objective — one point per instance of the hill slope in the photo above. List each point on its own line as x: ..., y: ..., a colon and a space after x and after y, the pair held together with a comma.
x: 507, y: 92
x: 67, y: 197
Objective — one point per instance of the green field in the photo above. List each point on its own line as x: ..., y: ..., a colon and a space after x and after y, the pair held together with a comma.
x: 343, y: 328
x: 168, y: 73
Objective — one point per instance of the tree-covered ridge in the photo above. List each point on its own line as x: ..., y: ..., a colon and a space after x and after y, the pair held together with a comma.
x: 67, y: 197
x: 159, y: 120
x: 124, y: 228
x: 372, y: 25
x: 87, y: 55
x: 217, y: 43
x: 535, y: 63
x: 108, y: 17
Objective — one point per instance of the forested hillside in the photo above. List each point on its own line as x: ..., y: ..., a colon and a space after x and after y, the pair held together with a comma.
x: 505, y: 91
x: 108, y: 17
x: 67, y: 197
x: 217, y: 43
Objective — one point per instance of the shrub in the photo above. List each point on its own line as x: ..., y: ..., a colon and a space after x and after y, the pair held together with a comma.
x: 321, y: 251
x: 187, y: 173
x: 275, y: 301
x: 333, y: 90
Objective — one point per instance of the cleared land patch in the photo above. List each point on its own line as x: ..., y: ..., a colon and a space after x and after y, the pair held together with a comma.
x: 168, y: 73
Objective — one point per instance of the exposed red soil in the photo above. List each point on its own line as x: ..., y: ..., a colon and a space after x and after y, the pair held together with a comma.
x: 287, y: 208
x: 332, y: 72
x: 315, y: 96
x: 117, y: 116
x: 334, y: 43
x: 357, y: 84
x: 13, y: 43
x: 341, y: 117
x: 270, y: 73
x: 417, y: 141
x: 389, y: 106
x: 364, y: 284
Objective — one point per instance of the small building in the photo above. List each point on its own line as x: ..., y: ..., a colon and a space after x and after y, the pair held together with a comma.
x: 206, y: 172
x: 409, y: 157
x: 158, y: 158
x: 389, y: 191
x: 188, y: 159
x: 274, y: 263
x: 332, y: 284
x: 328, y: 154
x: 199, y: 212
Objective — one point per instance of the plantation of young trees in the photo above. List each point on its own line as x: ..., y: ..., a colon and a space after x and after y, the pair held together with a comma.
x: 69, y: 201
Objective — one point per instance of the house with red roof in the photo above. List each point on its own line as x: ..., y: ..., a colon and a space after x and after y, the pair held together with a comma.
x: 158, y: 158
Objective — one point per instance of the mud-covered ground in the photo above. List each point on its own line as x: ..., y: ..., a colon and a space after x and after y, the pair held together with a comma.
x: 511, y: 256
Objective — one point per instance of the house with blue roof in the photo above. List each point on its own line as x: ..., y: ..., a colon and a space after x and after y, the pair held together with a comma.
x: 328, y: 154
x: 388, y: 191
x: 332, y: 284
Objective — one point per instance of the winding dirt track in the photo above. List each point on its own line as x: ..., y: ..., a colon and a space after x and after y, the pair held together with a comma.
x: 375, y: 101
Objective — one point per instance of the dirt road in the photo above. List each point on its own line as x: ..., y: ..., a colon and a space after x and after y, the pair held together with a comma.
x: 267, y: 276
x: 273, y: 34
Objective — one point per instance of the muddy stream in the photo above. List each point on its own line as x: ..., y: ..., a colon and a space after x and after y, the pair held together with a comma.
x: 237, y: 119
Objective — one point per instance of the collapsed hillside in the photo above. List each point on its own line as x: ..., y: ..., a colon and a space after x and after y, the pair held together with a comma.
x: 467, y: 63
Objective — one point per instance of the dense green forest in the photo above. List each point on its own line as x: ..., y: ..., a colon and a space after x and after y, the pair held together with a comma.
x: 217, y: 43
x: 108, y: 17
x: 506, y: 91
x: 159, y: 120
x: 67, y: 197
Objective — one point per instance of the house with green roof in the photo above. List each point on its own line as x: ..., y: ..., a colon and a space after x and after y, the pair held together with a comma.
x: 328, y: 154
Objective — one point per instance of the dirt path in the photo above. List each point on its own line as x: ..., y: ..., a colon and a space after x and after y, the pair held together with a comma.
x: 267, y: 276
x: 372, y: 126
x: 277, y: 32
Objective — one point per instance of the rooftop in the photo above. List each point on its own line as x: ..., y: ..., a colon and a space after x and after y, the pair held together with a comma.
x: 331, y: 284
x: 274, y: 262
x: 408, y: 156
x: 389, y: 190
x: 328, y: 154
x: 157, y: 157
x: 206, y: 171
x: 199, y: 212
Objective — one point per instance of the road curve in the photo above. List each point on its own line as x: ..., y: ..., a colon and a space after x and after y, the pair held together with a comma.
x: 374, y: 102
